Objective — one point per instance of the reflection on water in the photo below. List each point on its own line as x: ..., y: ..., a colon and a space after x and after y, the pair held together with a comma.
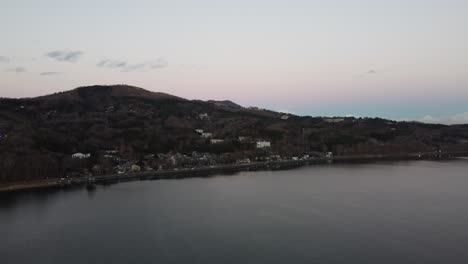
x: 405, y: 212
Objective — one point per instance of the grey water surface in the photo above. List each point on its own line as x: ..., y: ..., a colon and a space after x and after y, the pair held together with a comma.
x: 395, y: 212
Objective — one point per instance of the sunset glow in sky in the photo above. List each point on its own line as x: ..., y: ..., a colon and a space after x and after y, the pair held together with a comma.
x: 395, y: 59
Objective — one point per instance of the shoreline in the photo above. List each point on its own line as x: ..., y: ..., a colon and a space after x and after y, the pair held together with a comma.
x: 221, y: 169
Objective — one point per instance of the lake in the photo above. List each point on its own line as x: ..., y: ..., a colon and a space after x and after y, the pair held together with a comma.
x: 395, y: 212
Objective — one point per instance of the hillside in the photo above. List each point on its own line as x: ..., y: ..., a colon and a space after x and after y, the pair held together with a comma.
x: 98, y: 92
x: 39, y: 135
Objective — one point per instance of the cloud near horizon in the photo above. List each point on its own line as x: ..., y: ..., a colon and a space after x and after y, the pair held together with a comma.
x: 49, y: 73
x: 286, y: 111
x: 16, y: 70
x: 4, y: 59
x: 64, y: 56
x: 461, y: 118
x: 455, y: 119
x: 125, y: 66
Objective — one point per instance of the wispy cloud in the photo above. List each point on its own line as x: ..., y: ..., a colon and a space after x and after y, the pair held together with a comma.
x: 367, y: 73
x: 63, y: 55
x: 126, y: 66
x: 112, y: 64
x: 16, y: 70
x: 49, y: 73
x: 4, y: 59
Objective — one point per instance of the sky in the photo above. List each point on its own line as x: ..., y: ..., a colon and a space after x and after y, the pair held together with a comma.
x: 403, y: 60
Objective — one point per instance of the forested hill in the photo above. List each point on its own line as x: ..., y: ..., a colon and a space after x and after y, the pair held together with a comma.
x: 39, y: 135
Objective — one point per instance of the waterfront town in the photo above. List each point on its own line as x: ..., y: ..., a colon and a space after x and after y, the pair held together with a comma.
x: 112, y: 162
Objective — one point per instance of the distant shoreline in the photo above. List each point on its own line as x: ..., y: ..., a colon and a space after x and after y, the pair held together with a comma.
x: 222, y: 169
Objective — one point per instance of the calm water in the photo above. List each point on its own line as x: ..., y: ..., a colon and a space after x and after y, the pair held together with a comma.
x: 410, y: 212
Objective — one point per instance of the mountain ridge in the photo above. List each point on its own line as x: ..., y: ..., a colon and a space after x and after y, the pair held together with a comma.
x: 109, y: 90
x: 41, y: 134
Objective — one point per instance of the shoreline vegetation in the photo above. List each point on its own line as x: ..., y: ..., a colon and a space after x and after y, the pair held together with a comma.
x: 90, y: 182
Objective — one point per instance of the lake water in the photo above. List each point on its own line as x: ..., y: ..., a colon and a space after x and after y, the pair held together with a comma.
x: 403, y: 212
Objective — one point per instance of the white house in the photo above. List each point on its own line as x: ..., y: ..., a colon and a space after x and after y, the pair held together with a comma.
x: 81, y: 156
x: 206, y: 135
x: 263, y: 144
x: 285, y: 117
x: 243, y: 139
x: 199, y: 131
x: 216, y: 141
x: 203, y: 116
x: 135, y: 168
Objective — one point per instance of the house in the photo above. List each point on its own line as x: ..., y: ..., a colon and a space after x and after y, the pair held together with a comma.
x: 203, y: 116
x: 149, y: 156
x: 81, y: 156
x: 255, y: 108
x: 110, y: 109
x: 126, y: 167
x: 263, y: 144
x: 111, y: 151
x: 275, y: 157
x: 329, y: 155
x: 243, y: 161
x: 97, y: 170
x: 199, y: 131
x: 216, y: 141
x: 243, y: 139
x: 285, y: 117
x: 206, y: 135
x: 135, y: 168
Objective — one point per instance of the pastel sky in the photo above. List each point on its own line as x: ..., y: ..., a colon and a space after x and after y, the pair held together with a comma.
x: 394, y: 59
